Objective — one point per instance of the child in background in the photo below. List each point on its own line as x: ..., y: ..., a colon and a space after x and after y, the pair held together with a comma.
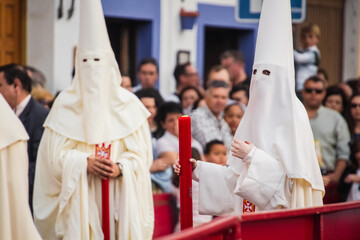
x: 354, y: 178
x: 233, y: 114
x: 198, y: 219
x: 168, y: 144
x: 307, y: 59
x: 215, y: 152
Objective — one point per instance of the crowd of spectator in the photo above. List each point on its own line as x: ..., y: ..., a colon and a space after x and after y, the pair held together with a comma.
x: 216, y: 107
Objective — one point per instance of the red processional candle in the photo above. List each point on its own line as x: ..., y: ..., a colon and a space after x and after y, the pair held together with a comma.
x: 105, y: 153
x: 186, y: 213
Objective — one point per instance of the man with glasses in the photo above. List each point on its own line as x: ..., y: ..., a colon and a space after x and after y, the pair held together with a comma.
x: 330, y: 131
x: 186, y: 75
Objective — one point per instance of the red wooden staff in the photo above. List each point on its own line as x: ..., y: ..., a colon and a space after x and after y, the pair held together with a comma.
x: 186, y: 213
x: 105, y: 153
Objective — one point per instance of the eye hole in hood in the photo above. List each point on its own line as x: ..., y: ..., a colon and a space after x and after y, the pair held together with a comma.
x: 266, y: 72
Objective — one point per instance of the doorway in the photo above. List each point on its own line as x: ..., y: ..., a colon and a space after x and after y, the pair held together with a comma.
x: 11, y: 31
x: 218, y: 40
x: 131, y: 41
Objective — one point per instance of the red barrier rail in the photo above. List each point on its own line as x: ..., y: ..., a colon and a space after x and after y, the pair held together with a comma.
x: 220, y: 228
x: 332, y: 221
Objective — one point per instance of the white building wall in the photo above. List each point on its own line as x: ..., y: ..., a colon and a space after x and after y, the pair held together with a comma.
x: 66, y: 37
x: 50, y: 41
x: 40, y: 37
x: 219, y: 2
x: 173, y: 39
x: 351, y: 53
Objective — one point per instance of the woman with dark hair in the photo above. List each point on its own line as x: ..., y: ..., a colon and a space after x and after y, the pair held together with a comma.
x: 353, y: 178
x: 152, y: 100
x: 353, y: 118
x: 351, y: 184
x: 188, y: 97
x: 335, y: 99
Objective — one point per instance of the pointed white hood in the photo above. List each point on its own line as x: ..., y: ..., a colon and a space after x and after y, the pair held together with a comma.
x: 16, y: 132
x: 95, y: 109
x: 275, y: 120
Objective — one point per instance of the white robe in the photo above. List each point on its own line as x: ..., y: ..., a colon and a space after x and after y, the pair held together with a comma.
x: 67, y: 201
x: 282, y: 170
x: 263, y: 182
x: 15, y: 216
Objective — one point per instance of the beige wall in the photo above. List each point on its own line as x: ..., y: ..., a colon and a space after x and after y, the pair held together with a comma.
x: 329, y: 16
x: 351, y: 53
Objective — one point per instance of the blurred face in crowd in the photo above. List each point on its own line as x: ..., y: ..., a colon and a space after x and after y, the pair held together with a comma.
x: 355, y: 108
x: 309, y: 40
x: 232, y: 66
x: 148, y: 75
x: 189, y: 97
x: 150, y: 105
x: 190, y: 77
x: 334, y: 102
x: 9, y: 92
x: 217, y: 154
x: 233, y: 117
x: 347, y: 89
x: 221, y: 75
x: 216, y: 99
x: 240, y: 96
x: 171, y: 123
x: 322, y: 77
x: 126, y: 83
x: 313, y: 94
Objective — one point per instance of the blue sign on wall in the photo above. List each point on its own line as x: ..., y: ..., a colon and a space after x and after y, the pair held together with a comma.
x: 249, y: 10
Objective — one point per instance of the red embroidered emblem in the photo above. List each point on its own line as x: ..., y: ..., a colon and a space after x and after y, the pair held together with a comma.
x: 103, y: 151
x: 248, y: 206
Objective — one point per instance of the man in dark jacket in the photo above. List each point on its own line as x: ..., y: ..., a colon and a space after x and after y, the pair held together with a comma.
x: 15, y: 86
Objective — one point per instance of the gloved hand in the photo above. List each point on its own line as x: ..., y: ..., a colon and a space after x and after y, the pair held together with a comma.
x: 241, y: 149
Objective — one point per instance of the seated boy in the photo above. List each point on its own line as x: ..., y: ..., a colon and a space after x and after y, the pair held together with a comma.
x: 168, y: 144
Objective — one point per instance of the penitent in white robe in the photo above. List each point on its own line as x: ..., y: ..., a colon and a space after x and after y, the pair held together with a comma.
x: 281, y: 171
x: 67, y: 200
x: 15, y: 216
x: 263, y: 182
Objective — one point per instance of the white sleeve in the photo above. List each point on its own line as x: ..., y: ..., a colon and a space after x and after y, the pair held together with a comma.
x: 305, y: 57
x: 163, y: 145
x: 216, y: 185
x: 264, y: 183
